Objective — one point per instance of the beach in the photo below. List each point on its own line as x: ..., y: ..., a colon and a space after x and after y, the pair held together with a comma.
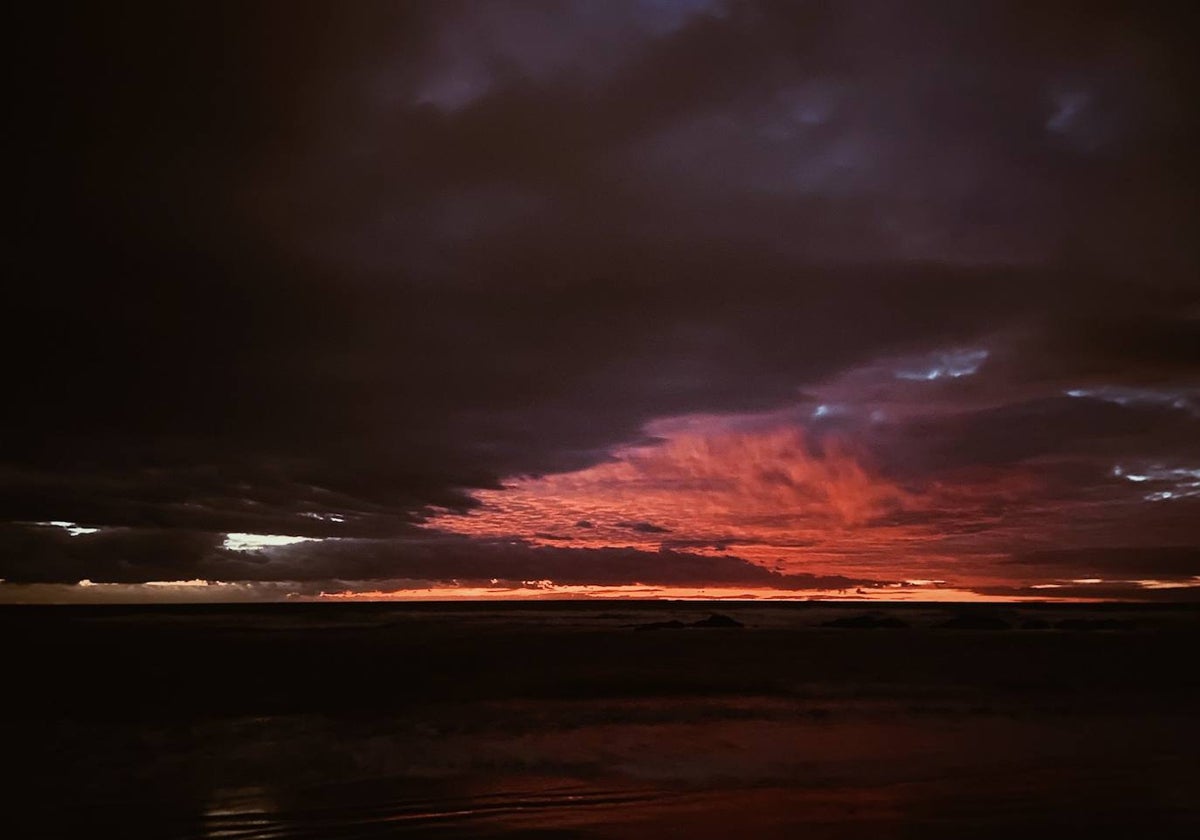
x: 566, y: 720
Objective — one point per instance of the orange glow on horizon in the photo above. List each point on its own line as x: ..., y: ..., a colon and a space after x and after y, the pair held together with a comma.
x: 634, y: 592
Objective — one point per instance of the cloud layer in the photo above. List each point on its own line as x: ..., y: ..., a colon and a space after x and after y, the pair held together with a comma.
x: 866, y: 291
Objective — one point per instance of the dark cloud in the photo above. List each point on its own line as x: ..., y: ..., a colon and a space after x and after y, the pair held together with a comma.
x: 1061, y: 426
x: 644, y: 527
x: 1174, y: 563
x: 46, y: 554
x: 319, y: 271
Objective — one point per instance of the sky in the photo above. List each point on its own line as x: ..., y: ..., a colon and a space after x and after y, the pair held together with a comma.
x: 603, y: 298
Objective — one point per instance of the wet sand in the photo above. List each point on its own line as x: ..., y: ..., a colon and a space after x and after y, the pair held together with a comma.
x: 562, y: 720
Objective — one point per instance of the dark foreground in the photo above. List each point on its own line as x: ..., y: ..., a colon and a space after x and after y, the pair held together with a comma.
x: 562, y: 721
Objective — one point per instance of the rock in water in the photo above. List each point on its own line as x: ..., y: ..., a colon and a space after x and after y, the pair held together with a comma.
x: 717, y: 620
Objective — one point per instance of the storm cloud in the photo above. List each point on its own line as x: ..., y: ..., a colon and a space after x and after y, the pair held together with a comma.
x: 388, y: 271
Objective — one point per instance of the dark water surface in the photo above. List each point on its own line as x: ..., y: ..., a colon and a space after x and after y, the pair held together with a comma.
x: 560, y: 720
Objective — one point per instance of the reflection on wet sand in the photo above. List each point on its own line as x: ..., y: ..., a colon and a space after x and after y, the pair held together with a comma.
x: 538, y: 803
x: 570, y: 724
x: 859, y: 774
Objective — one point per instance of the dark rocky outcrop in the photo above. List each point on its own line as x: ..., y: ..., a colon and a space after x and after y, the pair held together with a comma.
x: 717, y: 620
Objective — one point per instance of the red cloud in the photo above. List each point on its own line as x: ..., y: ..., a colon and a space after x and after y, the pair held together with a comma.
x: 771, y: 492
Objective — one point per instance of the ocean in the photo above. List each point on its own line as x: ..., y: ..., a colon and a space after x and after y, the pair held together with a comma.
x: 614, y: 719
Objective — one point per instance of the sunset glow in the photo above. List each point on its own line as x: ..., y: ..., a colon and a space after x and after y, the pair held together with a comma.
x: 698, y: 294
x: 606, y: 419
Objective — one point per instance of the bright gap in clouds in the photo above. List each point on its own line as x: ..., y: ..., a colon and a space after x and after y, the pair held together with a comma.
x: 254, y: 542
x: 952, y: 364
x: 1180, y: 482
x: 71, y: 528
